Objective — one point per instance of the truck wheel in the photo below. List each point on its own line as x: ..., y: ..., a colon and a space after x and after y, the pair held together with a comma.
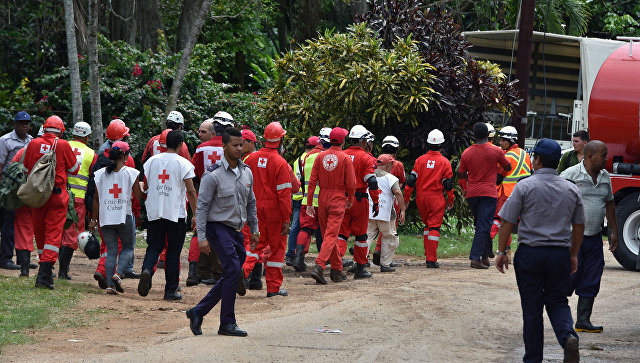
x: 628, y: 218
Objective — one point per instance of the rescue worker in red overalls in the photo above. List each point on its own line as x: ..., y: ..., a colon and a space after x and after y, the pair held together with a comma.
x: 272, y: 187
x: 390, y: 145
x: 78, y: 185
x: 116, y: 131
x: 431, y: 175
x: 207, y: 268
x: 356, y: 218
x: 520, y: 167
x: 333, y: 172
x: 51, y: 217
x: 309, y: 224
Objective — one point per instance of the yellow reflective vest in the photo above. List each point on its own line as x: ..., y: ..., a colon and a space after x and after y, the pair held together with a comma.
x: 85, y: 156
x: 520, y: 166
x: 297, y: 165
x: 307, y: 165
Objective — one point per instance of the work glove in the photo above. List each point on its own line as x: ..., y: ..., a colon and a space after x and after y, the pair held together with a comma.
x: 375, y: 209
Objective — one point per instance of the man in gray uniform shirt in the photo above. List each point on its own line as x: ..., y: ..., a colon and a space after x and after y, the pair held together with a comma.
x: 225, y: 203
x: 547, y: 206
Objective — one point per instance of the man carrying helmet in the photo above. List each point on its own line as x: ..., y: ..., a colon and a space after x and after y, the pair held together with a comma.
x: 309, y: 225
x: 431, y: 176
x: 50, y: 217
x: 202, y: 267
x: 9, y: 145
x: 520, y: 167
x: 175, y: 122
x: 86, y: 158
x: 356, y: 218
x: 272, y: 188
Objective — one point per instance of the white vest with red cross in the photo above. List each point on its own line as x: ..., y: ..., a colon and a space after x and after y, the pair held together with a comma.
x: 114, y: 194
x: 167, y: 194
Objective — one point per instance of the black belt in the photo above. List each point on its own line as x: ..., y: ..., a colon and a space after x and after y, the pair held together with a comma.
x: 360, y: 195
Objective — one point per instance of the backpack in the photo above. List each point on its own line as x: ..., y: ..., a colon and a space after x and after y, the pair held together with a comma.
x: 35, y: 192
x: 13, y: 178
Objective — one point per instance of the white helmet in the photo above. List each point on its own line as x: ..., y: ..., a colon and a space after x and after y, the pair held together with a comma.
x: 324, y: 134
x: 223, y: 118
x: 509, y: 133
x: 435, y: 137
x: 175, y: 117
x: 492, y: 131
x: 370, y: 137
x: 41, y: 131
x: 89, y: 244
x: 358, y: 132
x: 391, y: 140
x: 81, y: 129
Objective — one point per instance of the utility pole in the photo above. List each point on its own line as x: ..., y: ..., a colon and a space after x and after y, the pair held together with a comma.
x: 523, y: 65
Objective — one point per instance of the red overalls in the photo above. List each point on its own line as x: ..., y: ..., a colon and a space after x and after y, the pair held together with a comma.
x: 333, y: 172
x: 272, y: 188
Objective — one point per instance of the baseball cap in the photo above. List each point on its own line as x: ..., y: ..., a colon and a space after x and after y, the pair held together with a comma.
x: 338, y: 134
x: 249, y: 135
x: 548, y: 147
x: 21, y: 116
x: 385, y: 159
x: 123, y: 146
x: 313, y: 141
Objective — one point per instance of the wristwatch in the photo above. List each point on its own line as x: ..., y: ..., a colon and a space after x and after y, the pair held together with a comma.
x: 501, y: 253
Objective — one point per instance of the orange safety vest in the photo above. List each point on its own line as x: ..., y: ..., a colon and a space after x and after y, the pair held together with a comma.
x: 520, y: 166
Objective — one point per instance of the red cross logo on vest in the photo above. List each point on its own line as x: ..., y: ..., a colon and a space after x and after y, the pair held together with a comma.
x: 214, y: 157
x: 44, y: 148
x: 330, y: 162
x: 76, y: 151
x: 115, y: 191
x: 157, y: 149
x: 164, y: 176
x: 431, y: 164
x: 262, y: 162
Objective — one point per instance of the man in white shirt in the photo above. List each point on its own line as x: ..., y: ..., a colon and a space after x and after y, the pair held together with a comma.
x: 168, y: 182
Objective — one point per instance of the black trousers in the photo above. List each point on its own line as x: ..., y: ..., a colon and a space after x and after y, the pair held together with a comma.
x: 173, y: 233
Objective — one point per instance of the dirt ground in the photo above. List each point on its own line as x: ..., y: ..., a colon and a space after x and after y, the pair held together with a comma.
x: 453, y: 314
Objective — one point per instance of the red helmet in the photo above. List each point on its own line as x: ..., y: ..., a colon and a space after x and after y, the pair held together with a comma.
x: 54, y: 122
x: 163, y: 137
x: 117, y: 130
x: 273, y: 133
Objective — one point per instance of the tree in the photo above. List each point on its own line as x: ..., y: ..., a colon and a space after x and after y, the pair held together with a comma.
x: 74, y: 69
x: 190, y: 10
x: 186, y: 56
x: 343, y: 79
x: 122, y: 21
x: 94, y: 75
x: 148, y: 21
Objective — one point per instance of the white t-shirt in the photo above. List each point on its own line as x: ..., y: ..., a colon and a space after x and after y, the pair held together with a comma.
x: 167, y: 193
x: 385, y: 199
x: 114, y: 193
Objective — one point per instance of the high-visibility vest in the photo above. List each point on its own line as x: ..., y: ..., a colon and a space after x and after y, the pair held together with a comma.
x: 308, y: 161
x: 520, y: 166
x: 84, y: 155
x: 296, y: 171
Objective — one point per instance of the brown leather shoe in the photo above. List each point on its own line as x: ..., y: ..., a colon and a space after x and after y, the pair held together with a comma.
x: 337, y: 275
x: 318, y: 274
x: 485, y: 261
x: 479, y: 265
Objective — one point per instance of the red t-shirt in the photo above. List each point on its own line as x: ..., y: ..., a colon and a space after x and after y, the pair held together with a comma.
x: 480, y: 162
x: 154, y: 148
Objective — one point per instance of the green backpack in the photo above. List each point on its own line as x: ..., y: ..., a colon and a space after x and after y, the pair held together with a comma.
x: 13, y: 177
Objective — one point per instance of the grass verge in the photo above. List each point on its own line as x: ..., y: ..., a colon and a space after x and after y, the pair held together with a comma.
x: 24, y: 308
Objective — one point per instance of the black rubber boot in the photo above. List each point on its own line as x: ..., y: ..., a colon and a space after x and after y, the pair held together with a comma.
x: 23, y: 258
x: 192, y: 277
x: 361, y: 273
x: 255, y: 278
x: 64, y: 259
x: 583, y: 322
x: 44, y: 279
x: 298, y: 263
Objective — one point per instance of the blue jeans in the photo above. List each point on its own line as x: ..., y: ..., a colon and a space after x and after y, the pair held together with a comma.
x: 111, y: 233
x: 295, y: 228
x: 229, y: 247
x: 542, y: 274
x: 483, y: 210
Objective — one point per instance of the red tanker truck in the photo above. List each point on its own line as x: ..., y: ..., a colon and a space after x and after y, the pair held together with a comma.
x: 583, y: 83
